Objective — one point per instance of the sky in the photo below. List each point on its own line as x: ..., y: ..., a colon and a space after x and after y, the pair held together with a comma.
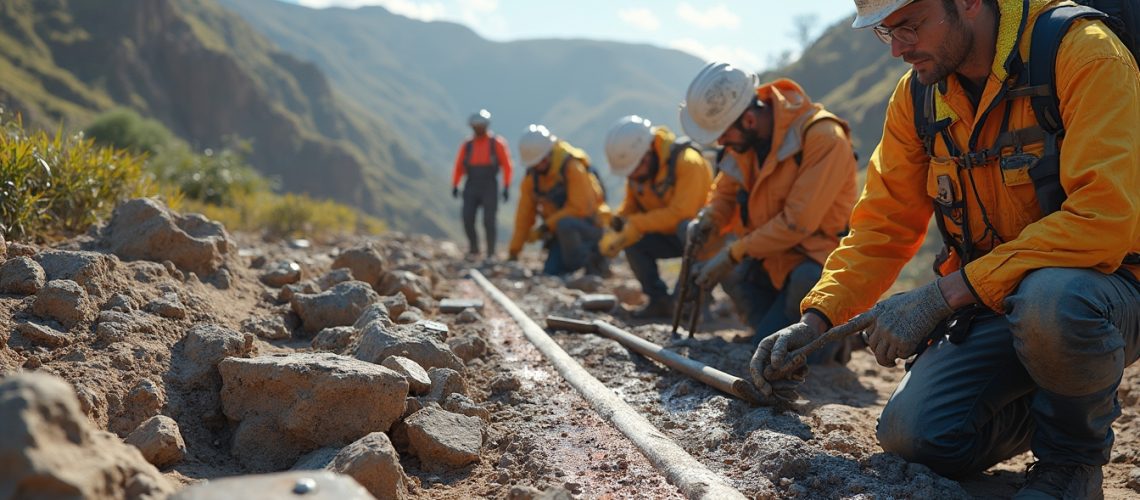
x: 749, y: 33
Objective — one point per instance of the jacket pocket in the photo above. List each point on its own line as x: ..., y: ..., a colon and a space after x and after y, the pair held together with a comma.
x: 1018, y: 191
x: 946, y: 192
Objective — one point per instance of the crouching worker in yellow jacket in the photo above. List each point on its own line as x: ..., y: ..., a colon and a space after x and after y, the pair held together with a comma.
x: 560, y: 187
x: 667, y: 182
x: 788, y: 180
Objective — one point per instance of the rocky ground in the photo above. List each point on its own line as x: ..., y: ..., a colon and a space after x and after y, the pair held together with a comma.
x: 159, y: 352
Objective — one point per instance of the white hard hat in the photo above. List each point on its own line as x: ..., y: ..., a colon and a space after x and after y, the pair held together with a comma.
x: 872, y: 12
x: 627, y: 141
x: 535, y: 144
x: 717, y: 97
x: 480, y: 118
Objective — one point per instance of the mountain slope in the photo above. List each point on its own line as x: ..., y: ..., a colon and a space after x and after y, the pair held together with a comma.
x: 207, y: 75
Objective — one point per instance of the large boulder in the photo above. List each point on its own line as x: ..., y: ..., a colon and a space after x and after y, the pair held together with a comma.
x: 90, y: 270
x: 365, y: 262
x: 412, y: 285
x: 339, y: 306
x: 145, y: 229
x: 159, y: 440
x: 288, y: 405
x: 374, y: 463
x: 21, y: 276
x: 414, y: 342
x: 443, y: 440
x: 204, y: 346
x: 64, y: 301
x: 307, y: 484
x: 50, y: 449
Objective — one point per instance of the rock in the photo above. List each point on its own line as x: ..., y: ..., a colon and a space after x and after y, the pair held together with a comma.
x: 410, y: 316
x: 443, y: 440
x: 21, y: 276
x: 144, y: 401
x: 458, y: 403
x: 452, y: 306
x: 335, y: 339
x: 204, y: 346
x: 418, y: 380
x: 267, y: 327
x: 1134, y: 479
x: 21, y: 250
x: 339, y: 306
x: 50, y: 449
x: 587, y: 283
x: 91, y: 270
x: 468, y: 316
x: 364, y: 261
x: 159, y: 440
x: 396, y: 304
x: 380, y: 341
x: 282, y: 273
x: 332, y: 278
x: 373, y: 462
x: 410, y: 284
x: 467, y: 347
x: 167, y: 306
x: 317, y: 459
x: 531, y: 493
x: 42, y: 335
x: 64, y: 301
x: 310, y: 485
x: 374, y: 312
x: 629, y: 293
x: 778, y: 455
x: 145, y: 229
x: 505, y: 383
x: 120, y: 302
x: 289, y: 291
x: 288, y: 405
x: 445, y: 382
x: 115, y: 326
x: 223, y: 279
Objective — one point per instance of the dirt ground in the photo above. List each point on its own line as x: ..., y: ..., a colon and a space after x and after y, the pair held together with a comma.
x: 542, y: 434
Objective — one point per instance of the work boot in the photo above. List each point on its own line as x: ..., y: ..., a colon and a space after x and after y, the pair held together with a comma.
x: 1062, y: 481
x: 598, y: 265
x: 659, y: 307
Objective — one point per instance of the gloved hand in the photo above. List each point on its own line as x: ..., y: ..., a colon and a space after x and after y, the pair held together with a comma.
x: 715, y: 269
x: 700, y: 228
x: 775, y: 351
x: 506, y: 195
x: 537, y: 233
x: 613, y: 242
x: 904, y: 320
x: 455, y: 192
x: 617, y: 223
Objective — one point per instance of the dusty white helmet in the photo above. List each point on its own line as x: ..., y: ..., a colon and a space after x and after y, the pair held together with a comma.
x: 717, y: 97
x: 872, y: 12
x: 627, y: 141
x: 480, y: 118
x: 535, y: 144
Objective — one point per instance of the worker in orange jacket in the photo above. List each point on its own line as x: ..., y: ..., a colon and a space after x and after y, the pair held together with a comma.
x: 667, y: 182
x: 480, y: 159
x: 559, y: 187
x: 1028, y: 329
x: 786, y: 187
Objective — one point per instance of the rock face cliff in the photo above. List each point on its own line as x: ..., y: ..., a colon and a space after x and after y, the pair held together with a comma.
x: 207, y: 75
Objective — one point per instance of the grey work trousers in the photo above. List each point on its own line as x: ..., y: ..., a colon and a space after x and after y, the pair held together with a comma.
x: 480, y: 190
x: 1042, y: 377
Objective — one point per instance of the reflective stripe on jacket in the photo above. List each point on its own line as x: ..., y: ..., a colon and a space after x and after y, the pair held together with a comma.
x: 650, y: 212
x: 1099, y: 223
x: 796, y: 210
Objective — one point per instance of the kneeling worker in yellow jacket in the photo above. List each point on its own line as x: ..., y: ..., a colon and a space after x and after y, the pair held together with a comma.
x: 667, y: 183
x: 559, y: 186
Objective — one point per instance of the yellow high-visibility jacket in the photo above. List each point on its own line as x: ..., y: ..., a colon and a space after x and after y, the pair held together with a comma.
x: 655, y: 207
x: 567, y: 174
x: 800, y: 196
x: 1099, y: 223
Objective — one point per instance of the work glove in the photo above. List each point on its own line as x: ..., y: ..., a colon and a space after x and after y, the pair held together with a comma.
x: 455, y: 192
x: 775, y: 351
x: 617, y: 223
x: 537, y: 233
x: 902, y: 321
x: 715, y: 269
x: 506, y: 195
x: 699, y: 229
x: 613, y: 242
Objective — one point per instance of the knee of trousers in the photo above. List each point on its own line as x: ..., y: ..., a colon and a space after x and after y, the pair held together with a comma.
x: 947, y: 450
x: 1066, y: 344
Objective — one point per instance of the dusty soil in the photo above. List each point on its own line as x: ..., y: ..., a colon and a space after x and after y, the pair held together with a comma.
x: 542, y: 434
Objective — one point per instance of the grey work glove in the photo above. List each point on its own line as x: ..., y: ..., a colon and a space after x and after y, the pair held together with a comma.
x: 715, y: 269
x: 775, y: 350
x: 455, y: 192
x: 904, y: 320
x: 699, y: 228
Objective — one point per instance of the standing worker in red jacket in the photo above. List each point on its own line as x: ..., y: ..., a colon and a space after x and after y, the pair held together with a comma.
x: 481, y: 158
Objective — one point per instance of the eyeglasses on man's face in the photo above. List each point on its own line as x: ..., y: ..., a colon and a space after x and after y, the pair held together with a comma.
x: 906, y: 35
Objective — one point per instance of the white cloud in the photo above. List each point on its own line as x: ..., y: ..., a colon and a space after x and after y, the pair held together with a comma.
x: 479, y: 5
x: 640, y: 18
x: 423, y: 11
x: 718, y: 16
x: 737, y: 56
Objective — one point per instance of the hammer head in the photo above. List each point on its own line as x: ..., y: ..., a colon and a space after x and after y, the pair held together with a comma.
x: 571, y: 325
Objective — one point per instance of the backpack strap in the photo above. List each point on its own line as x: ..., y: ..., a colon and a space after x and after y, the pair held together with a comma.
x: 675, y: 151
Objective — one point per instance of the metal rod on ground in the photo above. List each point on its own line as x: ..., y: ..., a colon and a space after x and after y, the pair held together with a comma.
x: 712, y: 377
x: 799, y: 356
x: 689, y: 475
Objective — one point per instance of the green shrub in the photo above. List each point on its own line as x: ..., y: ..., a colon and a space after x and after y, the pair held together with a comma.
x: 213, y: 177
x: 51, y: 184
x: 287, y: 215
x: 123, y: 128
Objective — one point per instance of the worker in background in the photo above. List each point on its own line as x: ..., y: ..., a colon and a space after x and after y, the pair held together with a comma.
x: 667, y: 182
x: 561, y: 187
x: 481, y: 158
x: 786, y: 186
